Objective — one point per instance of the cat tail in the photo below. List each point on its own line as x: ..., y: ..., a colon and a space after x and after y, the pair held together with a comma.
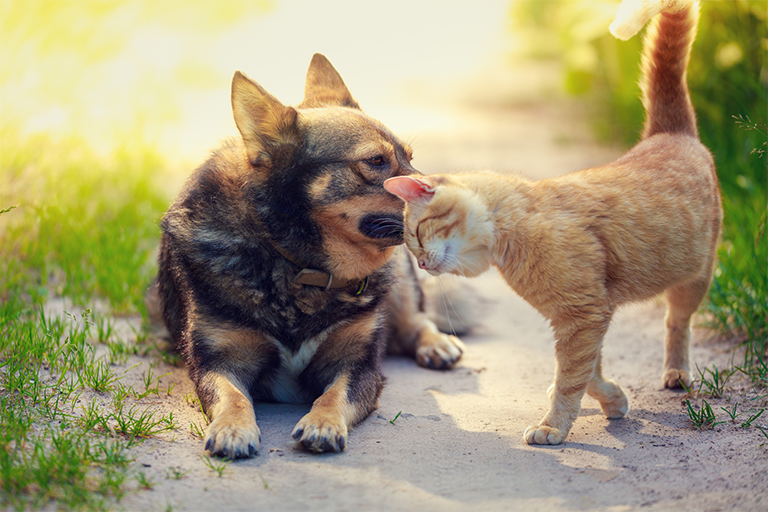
x: 666, y: 51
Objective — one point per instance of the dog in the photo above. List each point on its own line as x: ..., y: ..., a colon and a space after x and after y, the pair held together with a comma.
x: 279, y: 274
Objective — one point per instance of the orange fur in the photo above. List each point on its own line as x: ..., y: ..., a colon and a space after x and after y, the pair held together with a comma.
x: 579, y: 246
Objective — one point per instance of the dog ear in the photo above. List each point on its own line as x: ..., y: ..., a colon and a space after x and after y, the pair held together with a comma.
x: 325, y: 87
x: 410, y: 189
x: 267, y: 126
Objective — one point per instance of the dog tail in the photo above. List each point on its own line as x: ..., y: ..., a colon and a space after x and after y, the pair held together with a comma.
x: 666, y: 51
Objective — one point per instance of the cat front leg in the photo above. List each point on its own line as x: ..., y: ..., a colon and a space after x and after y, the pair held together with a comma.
x: 577, y: 352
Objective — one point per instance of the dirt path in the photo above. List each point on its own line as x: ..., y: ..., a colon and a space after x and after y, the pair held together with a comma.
x: 457, y: 444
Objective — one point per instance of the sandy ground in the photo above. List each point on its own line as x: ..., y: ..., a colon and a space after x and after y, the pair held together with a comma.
x: 457, y: 444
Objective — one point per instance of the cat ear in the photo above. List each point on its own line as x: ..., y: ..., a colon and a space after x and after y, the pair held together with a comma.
x: 409, y: 188
x: 325, y: 87
x: 267, y: 126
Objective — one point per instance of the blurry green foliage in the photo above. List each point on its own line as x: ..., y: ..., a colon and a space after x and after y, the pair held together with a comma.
x: 83, y: 226
x: 109, y: 70
x: 728, y: 80
x: 97, y: 29
x: 78, y: 86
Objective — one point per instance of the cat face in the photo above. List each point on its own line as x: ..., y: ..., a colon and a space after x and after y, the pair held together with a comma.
x: 447, y: 226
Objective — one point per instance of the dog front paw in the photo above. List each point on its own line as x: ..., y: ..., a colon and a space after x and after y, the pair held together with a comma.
x: 230, y: 440
x: 439, y: 351
x: 319, y: 432
x: 544, y: 434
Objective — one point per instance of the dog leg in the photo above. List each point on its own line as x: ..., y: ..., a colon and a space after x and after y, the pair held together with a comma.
x: 325, y: 427
x: 350, y: 385
x: 224, y: 361
x: 233, y: 432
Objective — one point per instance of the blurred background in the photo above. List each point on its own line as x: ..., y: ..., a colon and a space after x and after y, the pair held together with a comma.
x: 160, y: 71
x: 106, y: 106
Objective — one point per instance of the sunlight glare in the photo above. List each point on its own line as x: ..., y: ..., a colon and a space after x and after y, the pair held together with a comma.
x: 159, y: 72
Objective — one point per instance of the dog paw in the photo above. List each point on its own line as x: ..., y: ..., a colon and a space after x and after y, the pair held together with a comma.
x: 317, y: 432
x: 676, y: 379
x: 543, y: 434
x: 439, y: 351
x: 232, y: 441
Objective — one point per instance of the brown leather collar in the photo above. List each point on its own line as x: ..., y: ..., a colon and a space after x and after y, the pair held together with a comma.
x: 319, y: 278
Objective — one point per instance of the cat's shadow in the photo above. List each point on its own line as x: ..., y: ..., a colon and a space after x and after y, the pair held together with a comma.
x: 639, y: 427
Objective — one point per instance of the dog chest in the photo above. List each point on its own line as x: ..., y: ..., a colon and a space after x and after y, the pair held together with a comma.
x: 285, y: 384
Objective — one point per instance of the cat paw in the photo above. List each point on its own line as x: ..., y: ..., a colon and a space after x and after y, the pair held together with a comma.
x: 543, y: 434
x: 617, y: 408
x: 676, y: 379
x: 318, y: 432
x: 440, y: 351
x: 229, y: 440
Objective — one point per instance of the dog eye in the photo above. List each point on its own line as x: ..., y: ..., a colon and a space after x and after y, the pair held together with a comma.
x: 376, y: 161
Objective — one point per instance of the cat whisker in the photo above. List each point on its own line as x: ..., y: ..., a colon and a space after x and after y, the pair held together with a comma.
x: 450, y: 304
x: 456, y: 262
x: 445, y: 304
x: 442, y: 300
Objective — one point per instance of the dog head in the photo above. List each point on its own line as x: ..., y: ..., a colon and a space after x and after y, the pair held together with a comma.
x: 318, y: 171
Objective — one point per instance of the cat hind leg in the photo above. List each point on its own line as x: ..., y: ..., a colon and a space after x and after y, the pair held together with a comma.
x: 612, y: 399
x: 682, y: 303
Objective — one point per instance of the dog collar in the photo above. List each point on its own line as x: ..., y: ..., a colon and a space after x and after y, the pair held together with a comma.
x: 312, y: 277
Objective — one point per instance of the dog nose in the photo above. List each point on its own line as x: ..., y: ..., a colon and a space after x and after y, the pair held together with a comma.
x: 406, y: 169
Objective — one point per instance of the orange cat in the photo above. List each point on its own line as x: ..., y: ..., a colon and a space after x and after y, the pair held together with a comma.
x: 578, y: 246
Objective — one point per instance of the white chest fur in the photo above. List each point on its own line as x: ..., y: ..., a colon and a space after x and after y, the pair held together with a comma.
x: 285, y: 388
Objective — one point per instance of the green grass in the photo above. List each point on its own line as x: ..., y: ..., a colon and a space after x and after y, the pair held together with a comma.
x: 218, y: 466
x: 175, y: 473
x: 80, y: 226
x: 714, y: 385
x: 704, y: 418
x: 55, y: 448
x: 84, y: 228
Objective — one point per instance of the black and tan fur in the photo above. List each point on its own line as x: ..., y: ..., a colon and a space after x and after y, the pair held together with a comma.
x: 307, y: 180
